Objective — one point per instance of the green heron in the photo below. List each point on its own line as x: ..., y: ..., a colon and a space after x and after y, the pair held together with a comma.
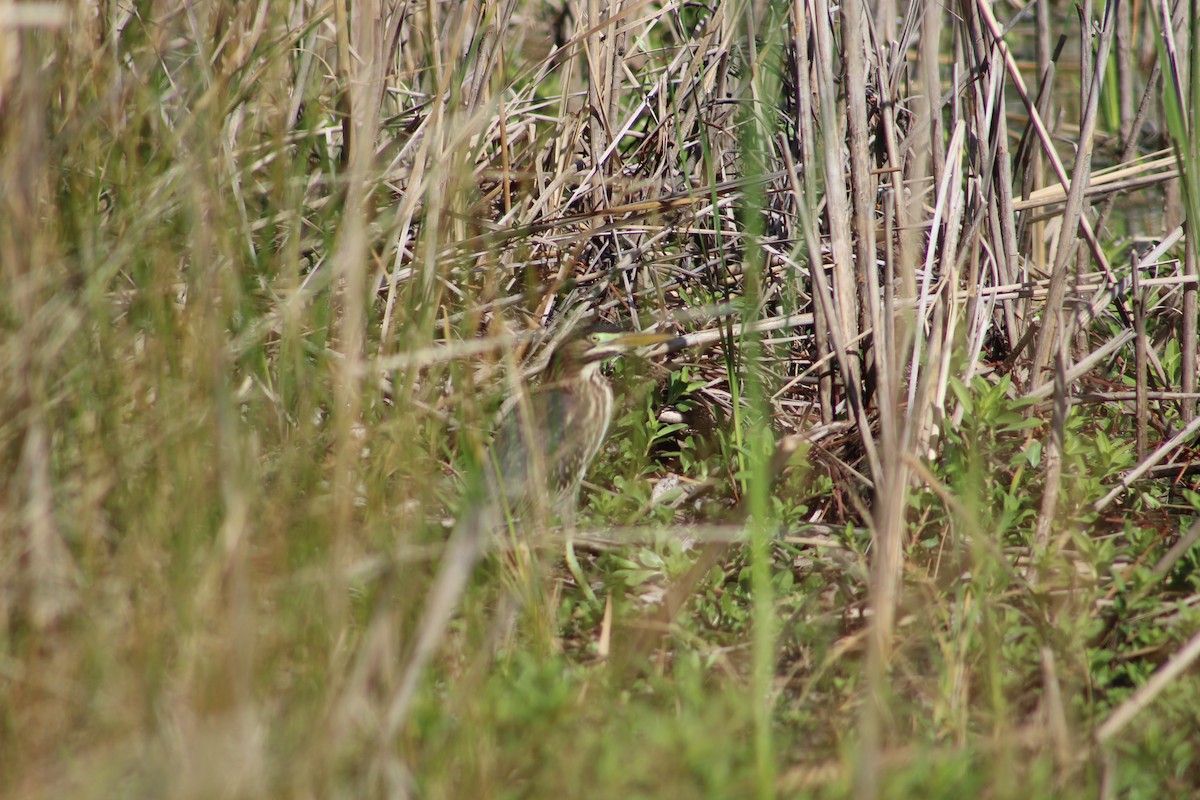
x: 547, y: 440
x: 544, y: 444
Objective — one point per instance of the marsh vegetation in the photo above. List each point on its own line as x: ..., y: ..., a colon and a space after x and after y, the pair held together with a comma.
x: 904, y: 508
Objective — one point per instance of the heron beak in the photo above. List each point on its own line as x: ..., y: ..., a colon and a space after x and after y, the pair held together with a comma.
x: 628, y: 341
x: 616, y: 344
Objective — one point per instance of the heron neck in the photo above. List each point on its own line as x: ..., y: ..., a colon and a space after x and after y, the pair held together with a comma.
x: 560, y: 371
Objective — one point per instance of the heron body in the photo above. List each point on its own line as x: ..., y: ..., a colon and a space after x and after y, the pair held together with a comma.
x: 547, y: 441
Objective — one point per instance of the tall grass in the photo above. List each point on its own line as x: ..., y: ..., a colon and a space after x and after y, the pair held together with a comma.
x: 269, y: 270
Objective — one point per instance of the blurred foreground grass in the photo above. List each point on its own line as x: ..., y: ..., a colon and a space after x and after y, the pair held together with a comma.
x: 231, y: 446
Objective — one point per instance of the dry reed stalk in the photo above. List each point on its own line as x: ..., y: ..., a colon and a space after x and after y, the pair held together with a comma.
x: 1052, y: 451
x: 1073, y: 212
x: 1141, y: 351
x: 801, y: 72
x: 843, y: 287
x: 862, y: 180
